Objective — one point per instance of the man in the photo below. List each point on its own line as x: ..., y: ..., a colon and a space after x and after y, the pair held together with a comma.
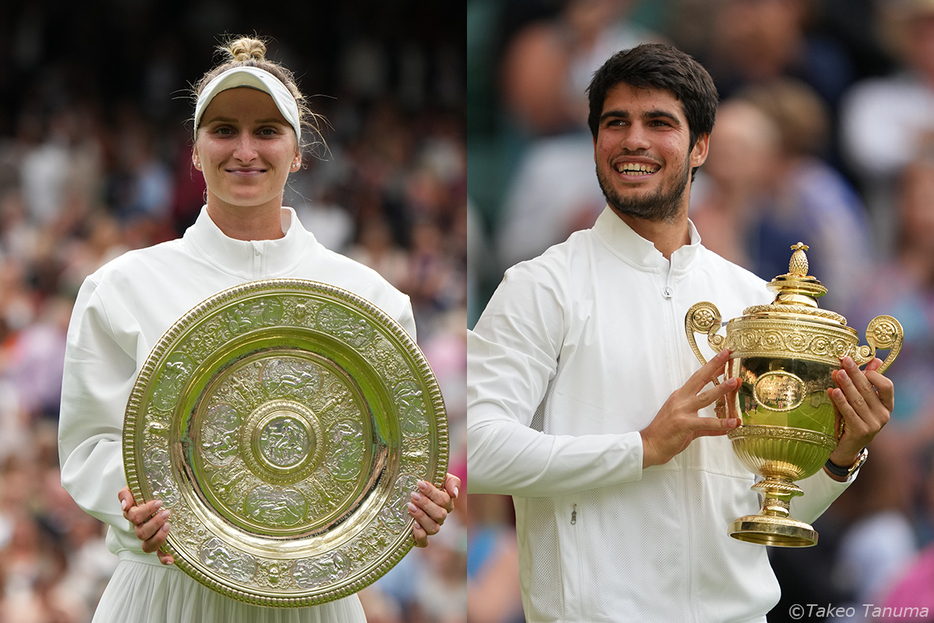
x: 586, y: 403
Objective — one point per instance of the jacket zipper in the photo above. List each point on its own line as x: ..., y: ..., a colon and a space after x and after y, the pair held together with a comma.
x: 668, y: 293
x: 578, y: 592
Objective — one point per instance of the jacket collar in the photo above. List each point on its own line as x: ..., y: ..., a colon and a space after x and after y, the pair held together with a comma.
x: 632, y: 248
x: 253, y: 259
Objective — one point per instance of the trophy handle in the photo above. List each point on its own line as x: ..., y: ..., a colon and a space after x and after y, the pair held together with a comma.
x: 883, y: 332
x: 704, y: 318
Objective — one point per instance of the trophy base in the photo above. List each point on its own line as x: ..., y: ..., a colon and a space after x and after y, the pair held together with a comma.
x: 775, y: 531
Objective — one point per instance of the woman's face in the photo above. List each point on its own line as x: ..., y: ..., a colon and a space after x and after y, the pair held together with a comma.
x: 246, y: 150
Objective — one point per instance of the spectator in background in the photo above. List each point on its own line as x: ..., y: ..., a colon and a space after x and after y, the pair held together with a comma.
x: 877, y: 538
x: 755, y: 41
x: 544, y: 75
x: 745, y: 146
x: 492, y: 560
x: 903, y: 286
x: 913, y: 588
x: 548, y: 63
x: 769, y: 188
x: 808, y: 199
x: 888, y: 121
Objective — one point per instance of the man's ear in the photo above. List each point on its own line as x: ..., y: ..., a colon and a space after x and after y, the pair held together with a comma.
x: 699, y: 151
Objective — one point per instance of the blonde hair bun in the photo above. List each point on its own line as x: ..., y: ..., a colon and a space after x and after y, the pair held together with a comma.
x: 245, y: 49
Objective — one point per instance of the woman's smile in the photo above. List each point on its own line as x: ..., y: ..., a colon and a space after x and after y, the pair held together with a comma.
x: 246, y: 150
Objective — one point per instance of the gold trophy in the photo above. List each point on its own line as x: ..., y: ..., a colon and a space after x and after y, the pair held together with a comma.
x: 784, y: 353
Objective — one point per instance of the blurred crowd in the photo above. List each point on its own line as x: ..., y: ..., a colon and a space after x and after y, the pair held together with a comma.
x: 825, y: 135
x: 95, y: 145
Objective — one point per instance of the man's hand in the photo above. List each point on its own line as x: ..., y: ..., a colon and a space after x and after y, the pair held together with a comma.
x: 864, y: 403
x: 150, y: 524
x: 677, y: 423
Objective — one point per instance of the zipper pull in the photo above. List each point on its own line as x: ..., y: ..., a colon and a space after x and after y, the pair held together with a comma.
x: 573, y: 514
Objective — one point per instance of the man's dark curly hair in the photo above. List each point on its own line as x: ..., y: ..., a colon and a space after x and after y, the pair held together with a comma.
x: 658, y: 66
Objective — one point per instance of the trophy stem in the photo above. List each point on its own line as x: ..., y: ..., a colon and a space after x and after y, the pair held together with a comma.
x: 773, y: 525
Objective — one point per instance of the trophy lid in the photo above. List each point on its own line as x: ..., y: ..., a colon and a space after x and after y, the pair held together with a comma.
x: 796, y: 292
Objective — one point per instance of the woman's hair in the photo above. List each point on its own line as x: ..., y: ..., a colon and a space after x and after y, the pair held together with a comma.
x: 242, y: 51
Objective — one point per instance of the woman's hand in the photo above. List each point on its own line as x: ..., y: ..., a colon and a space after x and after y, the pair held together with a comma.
x: 430, y: 507
x: 150, y: 524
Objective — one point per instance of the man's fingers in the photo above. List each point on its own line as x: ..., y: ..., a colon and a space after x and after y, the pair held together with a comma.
x: 707, y: 372
x: 710, y: 396
x: 861, y: 393
x: 885, y: 388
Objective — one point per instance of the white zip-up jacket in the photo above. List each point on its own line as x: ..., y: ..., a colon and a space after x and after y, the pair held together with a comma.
x: 121, y: 312
x: 574, y: 355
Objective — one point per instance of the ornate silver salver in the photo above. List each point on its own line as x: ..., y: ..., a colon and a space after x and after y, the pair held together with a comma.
x: 284, y: 423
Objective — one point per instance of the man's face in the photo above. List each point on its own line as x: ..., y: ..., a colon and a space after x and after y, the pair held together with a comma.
x: 643, y: 153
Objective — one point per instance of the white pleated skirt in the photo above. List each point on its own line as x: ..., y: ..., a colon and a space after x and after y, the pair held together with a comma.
x: 147, y: 593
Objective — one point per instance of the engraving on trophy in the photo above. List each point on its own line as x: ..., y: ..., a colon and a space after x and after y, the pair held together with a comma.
x: 275, y: 415
x: 779, y: 391
x: 345, y: 455
x: 355, y: 331
x: 254, y: 314
x: 220, y: 435
x: 275, y: 506
x: 395, y: 513
x: 279, y: 441
x: 177, y: 369
x: 291, y: 376
x: 411, y: 404
x: 228, y: 561
x: 770, y: 338
x: 158, y: 465
x: 325, y: 569
x: 284, y: 441
x: 230, y: 483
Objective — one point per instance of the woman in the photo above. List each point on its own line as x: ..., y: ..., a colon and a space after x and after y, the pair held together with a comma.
x: 247, y: 139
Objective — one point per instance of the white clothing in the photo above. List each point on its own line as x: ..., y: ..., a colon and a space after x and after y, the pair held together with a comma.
x: 574, y: 355
x: 121, y: 312
x: 885, y: 123
x: 154, y: 593
x: 552, y: 191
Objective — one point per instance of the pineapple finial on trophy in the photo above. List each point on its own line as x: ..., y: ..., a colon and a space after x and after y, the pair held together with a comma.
x: 798, y: 265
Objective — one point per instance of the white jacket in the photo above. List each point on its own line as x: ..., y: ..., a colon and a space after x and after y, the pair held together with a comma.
x: 574, y: 355
x: 125, y: 307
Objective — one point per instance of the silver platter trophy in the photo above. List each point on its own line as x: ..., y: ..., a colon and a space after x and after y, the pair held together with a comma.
x: 284, y: 423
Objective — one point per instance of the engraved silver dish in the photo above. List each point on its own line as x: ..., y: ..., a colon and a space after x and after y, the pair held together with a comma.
x: 284, y: 423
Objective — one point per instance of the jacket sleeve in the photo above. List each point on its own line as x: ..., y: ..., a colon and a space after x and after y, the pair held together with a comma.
x: 820, y: 490
x: 99, y: 373
x: 512, y: 356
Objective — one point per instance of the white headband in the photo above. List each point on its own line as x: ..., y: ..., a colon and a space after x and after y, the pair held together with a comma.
x: 255, y: 78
